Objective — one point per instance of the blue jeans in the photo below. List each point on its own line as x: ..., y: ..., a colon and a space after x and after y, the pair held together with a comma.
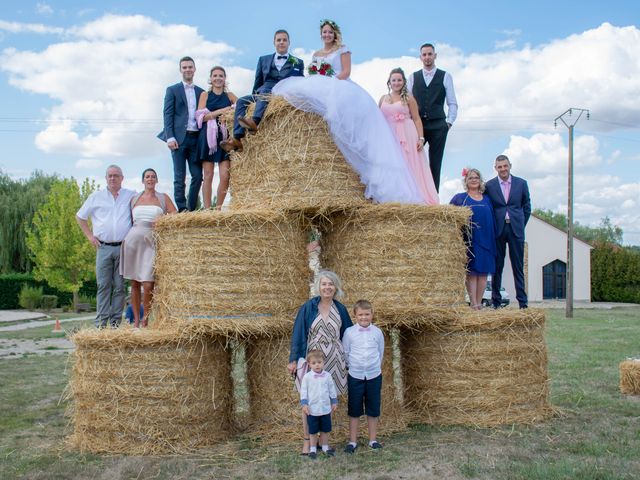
x: 186, y: 156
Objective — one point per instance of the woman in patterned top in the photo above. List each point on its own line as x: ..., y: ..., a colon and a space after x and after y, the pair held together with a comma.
x: 319, y: 325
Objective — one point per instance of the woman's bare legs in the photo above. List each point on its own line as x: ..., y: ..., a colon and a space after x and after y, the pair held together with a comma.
x: 207, y: 184
x: 224, y: 172
x: 146, y: 301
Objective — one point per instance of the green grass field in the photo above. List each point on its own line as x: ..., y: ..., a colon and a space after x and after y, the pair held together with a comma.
x: 595, y: 436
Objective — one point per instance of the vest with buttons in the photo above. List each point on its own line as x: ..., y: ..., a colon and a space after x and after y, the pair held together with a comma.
x: 430, y: 99
x: 275, y: 75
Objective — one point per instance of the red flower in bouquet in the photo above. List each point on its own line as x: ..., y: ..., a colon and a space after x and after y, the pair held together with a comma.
x: 321, y: 68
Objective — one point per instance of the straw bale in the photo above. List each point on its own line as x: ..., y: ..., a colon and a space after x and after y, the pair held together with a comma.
x: 292, y: 163
x: 398, y: 256
x: 213, y: 265
x: 487, y: 368
x: 630, y: 377
x: 274, y: 403
x: 144, y: 392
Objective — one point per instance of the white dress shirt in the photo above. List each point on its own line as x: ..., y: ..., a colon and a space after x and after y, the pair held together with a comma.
x: 363, y: 350
x: 110, y: 217
x: 190, y: 92
x: 452, y: 102
x: 319, y: 392
x: 279, y: 62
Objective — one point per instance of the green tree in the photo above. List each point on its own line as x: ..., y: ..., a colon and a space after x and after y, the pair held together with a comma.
x: 60, y: 252
x: 19, y: 199
x: 604, y: 233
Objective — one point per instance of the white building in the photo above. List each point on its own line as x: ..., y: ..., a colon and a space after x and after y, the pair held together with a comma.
x: 545, y: 260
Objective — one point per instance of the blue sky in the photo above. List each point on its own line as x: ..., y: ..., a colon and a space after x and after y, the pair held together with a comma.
x: 81, y: 83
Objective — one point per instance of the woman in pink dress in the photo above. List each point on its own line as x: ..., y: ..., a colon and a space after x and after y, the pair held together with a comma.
x: 401, y: 112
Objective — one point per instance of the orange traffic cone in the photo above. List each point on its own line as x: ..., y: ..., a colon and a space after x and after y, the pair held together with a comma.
x: 57, y: 328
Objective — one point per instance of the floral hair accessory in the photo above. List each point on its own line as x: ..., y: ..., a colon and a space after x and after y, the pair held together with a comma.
x: 465, y: 171
x: 331, y: 23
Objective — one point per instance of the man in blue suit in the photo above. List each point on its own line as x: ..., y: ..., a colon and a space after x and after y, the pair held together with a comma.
x: 512, y: 209
x: 270, y: 70
x: 181, y: 134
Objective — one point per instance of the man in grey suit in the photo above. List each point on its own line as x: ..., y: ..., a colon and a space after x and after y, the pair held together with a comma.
x: 270, y: 70
x: 181, y: 134
x: 511, y: 208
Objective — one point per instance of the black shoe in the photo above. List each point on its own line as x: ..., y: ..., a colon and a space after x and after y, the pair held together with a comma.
x: 350, y: 448
x: 375, y: 445
x: 522, y: 307
x: 313, y: 455
x: 329, y: 453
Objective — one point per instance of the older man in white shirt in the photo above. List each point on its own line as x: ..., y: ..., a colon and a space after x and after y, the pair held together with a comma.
x: 431, y: 87
x: 110, y: 216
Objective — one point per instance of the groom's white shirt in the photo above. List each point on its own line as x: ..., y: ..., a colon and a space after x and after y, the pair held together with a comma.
x: 279, y: 62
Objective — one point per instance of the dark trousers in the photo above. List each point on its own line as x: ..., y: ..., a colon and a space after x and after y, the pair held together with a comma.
x: 185, y: 156
x: 516, y: 255
x: 435, y: 134
x: 241, y: 110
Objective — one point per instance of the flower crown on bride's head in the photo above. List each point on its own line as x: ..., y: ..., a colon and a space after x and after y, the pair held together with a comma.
x: 336, y: 30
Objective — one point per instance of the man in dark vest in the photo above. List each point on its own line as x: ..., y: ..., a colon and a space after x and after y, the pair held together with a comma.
x: 431, y: 87
x: 270, y: 70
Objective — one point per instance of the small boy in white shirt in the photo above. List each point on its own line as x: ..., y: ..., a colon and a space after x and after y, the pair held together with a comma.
x: 318, y: 398
x: 363, y: 349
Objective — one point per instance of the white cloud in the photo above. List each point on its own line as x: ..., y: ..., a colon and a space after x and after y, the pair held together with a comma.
x: 505, y: 44
x: 43, y: 8
x: 18, y: 27
x: 109, y: 79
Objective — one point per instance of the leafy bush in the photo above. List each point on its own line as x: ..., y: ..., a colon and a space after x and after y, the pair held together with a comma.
x: 615, y: 274
x: 12, y: 283
x: 49, y: 302
x: 91, y: 300
x: 30, y: 297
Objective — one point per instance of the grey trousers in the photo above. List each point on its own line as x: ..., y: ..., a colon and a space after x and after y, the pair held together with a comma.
x: 110, y: 297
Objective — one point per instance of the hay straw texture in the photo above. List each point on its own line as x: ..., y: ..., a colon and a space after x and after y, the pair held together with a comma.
x: 274, y: 403
x: 488, y: 368
x: 215, y: 265
x: 630, y: 377
x: 404, y: 257
x: 292, y: 163
x: 142, y: 392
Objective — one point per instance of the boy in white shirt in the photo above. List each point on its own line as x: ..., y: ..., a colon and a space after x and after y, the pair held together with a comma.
x: 363, y: 349
x: 318, y: 398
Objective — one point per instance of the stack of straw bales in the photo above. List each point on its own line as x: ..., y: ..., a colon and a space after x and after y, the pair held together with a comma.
x: 630, y: 377
x: 149, y: 392
x: 483, y: 368
x: 216, y: 265
x: 292, y: 164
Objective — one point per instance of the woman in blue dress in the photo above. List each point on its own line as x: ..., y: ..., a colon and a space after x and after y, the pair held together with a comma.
x: 482, y: 242
x: 211, y: 106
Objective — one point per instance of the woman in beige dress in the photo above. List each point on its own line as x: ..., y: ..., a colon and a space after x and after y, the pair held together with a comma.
x: 138, y: 249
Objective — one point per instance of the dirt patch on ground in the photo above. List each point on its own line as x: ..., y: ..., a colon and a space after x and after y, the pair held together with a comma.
x: 15, y: 348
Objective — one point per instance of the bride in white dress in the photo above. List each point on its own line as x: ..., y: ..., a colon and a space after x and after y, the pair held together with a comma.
x: 356, y: 124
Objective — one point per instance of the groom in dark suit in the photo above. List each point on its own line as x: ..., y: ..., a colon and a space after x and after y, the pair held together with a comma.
x: 181, y: 134
x: 270, y: 70
x: 512, y: 209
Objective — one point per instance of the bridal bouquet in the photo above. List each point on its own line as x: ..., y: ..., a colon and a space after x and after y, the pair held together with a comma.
x: 320, y: 68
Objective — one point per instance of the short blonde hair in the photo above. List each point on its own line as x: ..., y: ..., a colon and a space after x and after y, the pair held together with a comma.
x: 362, y: 305
x: 315, y: 355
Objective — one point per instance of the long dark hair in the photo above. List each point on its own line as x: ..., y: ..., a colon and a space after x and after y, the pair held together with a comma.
x: 218, y: 67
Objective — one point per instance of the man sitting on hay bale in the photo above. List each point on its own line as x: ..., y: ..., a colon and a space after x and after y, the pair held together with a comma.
x: 270, y: 70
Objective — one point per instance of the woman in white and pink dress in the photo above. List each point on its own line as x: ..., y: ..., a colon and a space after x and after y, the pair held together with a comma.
x: 401, y: 112
x: 356, y: 124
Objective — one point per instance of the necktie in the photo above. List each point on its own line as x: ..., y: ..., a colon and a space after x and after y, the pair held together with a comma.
x: 282, y: 57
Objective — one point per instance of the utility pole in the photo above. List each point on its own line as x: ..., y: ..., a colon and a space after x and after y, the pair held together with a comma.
x: 570, y: 123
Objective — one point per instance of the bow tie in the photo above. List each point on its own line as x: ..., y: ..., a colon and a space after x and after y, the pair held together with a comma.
x: 282, y: 57
x: 318, y: 375
x: 429, y: 73
x: 361, y: 329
